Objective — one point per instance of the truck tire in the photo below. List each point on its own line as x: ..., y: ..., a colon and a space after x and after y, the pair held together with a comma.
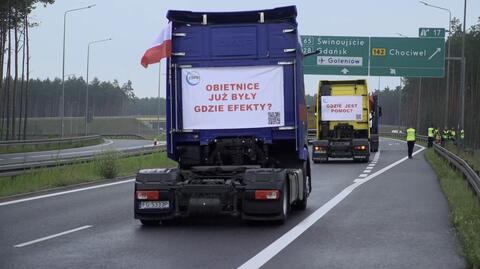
x: 285, y: 204
x: 149, y: 222
x: 302, y: 204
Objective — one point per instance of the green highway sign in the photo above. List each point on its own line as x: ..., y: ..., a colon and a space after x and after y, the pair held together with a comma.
x: 431, y: 32
x: 376, y: 56
x: 407, y: 57
x: 337, y: 55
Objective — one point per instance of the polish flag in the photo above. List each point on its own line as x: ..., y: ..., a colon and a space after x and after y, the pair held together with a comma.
x: 161, y: 48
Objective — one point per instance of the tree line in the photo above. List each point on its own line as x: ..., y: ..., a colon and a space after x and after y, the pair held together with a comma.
x: 105, y: 99
x: 14, y: 65
x: 422, y: 102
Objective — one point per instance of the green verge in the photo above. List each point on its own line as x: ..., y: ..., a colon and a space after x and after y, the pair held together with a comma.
x: 50, y: 146
x: 464, y: 207
x: 470, y: 156
x: 60, y: 176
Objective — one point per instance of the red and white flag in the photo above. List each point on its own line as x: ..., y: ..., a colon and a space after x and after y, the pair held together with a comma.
x: 161, y: 48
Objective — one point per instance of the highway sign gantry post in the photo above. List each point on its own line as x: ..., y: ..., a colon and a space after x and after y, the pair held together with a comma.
x: 407, y: 57
x: 337, y: 55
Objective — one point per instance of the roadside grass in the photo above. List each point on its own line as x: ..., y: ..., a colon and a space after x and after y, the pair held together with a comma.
x: 50, y: 146
x: 471, y: 157
x: 82, y: 172
x: 464, y: 207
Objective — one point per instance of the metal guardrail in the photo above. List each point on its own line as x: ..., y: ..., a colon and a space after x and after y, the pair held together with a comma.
x: 461, y: 165
x: 19, y: 168
x: 48, y: 141
x: 124, y: 136
x: 420, y: 138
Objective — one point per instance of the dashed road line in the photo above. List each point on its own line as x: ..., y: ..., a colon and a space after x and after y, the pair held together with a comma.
x: 52, y: 236
x: 65, y: 192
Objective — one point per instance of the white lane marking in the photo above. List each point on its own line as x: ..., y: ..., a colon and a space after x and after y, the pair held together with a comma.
x: 52, y: 236
x: 18, y: 158
x: 65, y: 192
x: 278, y: 245
x: 367, y: 171
x: 377, y: 157
x: 363, y: 175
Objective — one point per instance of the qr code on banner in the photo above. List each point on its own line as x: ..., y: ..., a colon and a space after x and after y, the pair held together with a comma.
x: 358, y: 116
x: 273, y: 118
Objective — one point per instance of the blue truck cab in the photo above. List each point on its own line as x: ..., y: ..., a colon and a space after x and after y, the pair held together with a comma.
x: 236, y: 120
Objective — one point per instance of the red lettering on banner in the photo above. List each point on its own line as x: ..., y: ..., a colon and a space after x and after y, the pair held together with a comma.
x: 334, y: 105
x: 252, y: 86
x: 218, y: 97
x: 243, y: 96
x: 209, y: 108
x: 341, y: 110
x: 249, y: 107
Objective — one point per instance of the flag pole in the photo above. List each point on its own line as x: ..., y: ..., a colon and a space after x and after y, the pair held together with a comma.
x: 159, y: 84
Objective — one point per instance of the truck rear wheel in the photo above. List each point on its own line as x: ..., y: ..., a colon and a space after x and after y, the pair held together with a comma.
x: 285, y: 204
x: 302, y: 204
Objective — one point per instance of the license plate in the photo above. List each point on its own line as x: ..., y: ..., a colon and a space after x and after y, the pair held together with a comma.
x: 154, y: 204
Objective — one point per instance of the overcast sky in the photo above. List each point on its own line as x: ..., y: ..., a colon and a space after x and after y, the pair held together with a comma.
x: 133, y: 25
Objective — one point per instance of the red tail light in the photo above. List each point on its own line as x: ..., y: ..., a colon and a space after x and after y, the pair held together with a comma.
x: 360, y: 147
x: 147, y: 195
x: 267, y: 194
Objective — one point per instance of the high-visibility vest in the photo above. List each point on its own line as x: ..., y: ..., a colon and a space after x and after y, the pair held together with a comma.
x: 445, y: 134
x: 410, y: 134
x: 453, y: 133
x: 462, y: 134
x: 430, y: 132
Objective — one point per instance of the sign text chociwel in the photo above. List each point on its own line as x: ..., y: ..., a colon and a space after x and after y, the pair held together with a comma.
x: 408, y: 57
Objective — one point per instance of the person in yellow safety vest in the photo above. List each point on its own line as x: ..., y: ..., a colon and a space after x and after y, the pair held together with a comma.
x: 410, y: 141
x: 444, y: 136
x: 462, y: 134
x: 452, y: 134
x: 430, y: 133
x: 438, y: 136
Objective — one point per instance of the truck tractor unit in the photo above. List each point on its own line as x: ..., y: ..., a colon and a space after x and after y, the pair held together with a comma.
x: 347, y: 121
x: 235, y: 117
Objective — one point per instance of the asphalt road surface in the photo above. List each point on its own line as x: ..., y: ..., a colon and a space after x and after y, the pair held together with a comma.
x: 110, y: 144
x: 390, y: 213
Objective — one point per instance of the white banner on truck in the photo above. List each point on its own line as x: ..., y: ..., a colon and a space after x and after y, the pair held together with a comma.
x: 232, y: 97
x: 342, y: 108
